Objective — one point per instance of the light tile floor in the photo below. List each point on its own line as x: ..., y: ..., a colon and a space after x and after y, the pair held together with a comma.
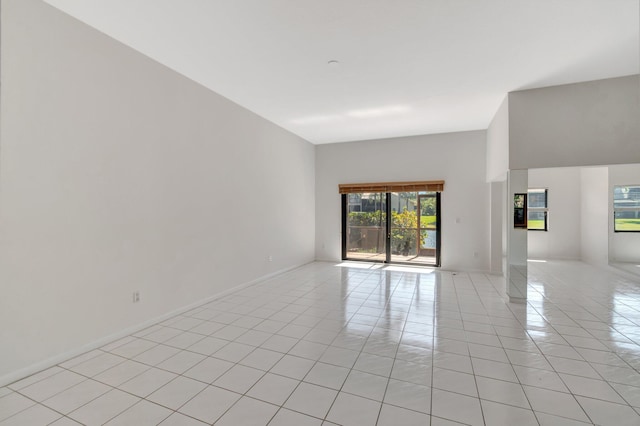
x: 358, y: 344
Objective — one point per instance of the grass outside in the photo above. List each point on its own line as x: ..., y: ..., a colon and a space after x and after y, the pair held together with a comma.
x: 426, y: 221
x: 536, y: 224
x: 627, y: 225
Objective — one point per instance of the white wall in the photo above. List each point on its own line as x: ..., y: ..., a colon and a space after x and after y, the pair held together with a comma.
x: 497, y: 160
x: 498, y: 144
x: 583, y: 124
x: 452, y: 157
x: 498, y: 227
x: 594, y: 224
x: 562, y: 240
x: 623, y: 246
x: 117, y: 174
x: 517, y: 270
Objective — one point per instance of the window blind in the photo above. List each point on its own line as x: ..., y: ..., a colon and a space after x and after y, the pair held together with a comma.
x: 429, y: 186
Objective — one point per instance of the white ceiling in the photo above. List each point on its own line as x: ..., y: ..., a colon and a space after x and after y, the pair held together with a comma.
x: 406, y: 67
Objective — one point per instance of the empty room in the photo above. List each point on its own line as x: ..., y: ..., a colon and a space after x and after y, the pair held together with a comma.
x: 271, y: 212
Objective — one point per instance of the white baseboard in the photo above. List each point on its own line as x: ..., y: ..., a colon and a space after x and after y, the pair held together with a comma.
x: 55, y: 360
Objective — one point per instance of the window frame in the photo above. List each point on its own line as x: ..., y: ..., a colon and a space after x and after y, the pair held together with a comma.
x: 544, y: 209
x: 623, y: 209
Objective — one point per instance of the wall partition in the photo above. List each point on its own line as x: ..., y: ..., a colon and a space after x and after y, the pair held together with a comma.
x: 396, y: 222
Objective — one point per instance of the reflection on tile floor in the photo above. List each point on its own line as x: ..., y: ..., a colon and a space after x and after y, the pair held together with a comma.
x: 358, y: 344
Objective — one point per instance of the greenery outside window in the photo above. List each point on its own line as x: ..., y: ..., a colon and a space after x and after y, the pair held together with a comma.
x: 537, y: 210
x: 626, y: 208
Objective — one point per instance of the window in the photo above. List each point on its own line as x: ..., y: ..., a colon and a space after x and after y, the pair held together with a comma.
x: 355, y: 203
x: 626, y: 208
x: 537, y: 216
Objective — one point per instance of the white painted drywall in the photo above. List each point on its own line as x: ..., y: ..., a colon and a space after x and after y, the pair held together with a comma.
x: 497, y: 218
x: 583, y: 124
x: 594, y: 224
x: 452, y: 157
x: 623, y: 246
x: 117, y: 174
x: 562, y: 240
x: 498, y: 144
x: 506, y: 214
x: 517, y: 270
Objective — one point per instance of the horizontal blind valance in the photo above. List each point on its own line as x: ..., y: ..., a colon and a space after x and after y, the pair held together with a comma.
x: 430, y: 185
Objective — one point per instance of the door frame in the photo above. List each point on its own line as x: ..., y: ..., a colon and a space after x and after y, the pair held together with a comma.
x: 344, y: 213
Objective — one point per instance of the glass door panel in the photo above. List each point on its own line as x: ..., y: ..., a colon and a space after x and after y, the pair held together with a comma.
x: 366, y: 227
x: 428, y: 225
x: 404, y: 226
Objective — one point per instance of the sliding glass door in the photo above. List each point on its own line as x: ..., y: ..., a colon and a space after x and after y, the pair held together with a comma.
x: 404, y: 226
x: 397, y: 227
x: 428, y: 225
x: 366, y: 226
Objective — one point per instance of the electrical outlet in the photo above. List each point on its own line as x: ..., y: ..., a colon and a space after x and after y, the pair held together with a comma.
x: 136, y: 296
x: 270, y: 258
